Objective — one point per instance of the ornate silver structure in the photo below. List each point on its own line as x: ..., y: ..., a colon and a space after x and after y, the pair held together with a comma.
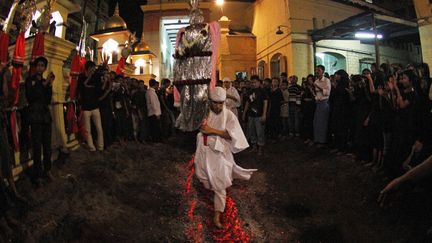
x: 193, y: 70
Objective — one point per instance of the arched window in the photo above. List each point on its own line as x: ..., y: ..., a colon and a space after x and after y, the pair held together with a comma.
x: 331, y: 61
x: 278, y: 65
x: 140, y: 64
x: 56, y: 16
x: 110, y: 47
x: 261, y: 69
x: 365, y: 63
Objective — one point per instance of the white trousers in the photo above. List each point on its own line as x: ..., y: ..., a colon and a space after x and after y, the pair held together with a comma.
x: 135, y: 124
x: 219, y: 200
x: 94, y: 115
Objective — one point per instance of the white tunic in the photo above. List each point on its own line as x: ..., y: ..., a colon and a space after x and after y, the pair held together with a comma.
x: 214, y: 163
x: 231, y: 104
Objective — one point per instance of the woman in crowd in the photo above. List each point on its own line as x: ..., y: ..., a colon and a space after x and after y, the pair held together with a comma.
x: 340, y: 110
x: 106, y: 108
x: 404, y: 129
x: 379, y: 120
x: 284, y: 110
x: 121, y: 112
x: 308, y: 109
x: 275, y: 101
x: 360, y: 97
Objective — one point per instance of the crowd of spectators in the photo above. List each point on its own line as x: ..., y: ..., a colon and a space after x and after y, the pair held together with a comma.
x: 111, y: 110
x: 121, y: 109
x: 380, y: 117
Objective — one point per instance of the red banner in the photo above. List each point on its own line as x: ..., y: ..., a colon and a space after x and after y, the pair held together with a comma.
x: 121, y: 66
x: 4, y: 45
x: 38, y: 50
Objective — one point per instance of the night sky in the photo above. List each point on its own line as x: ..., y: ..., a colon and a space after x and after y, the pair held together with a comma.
x: 130, y: 11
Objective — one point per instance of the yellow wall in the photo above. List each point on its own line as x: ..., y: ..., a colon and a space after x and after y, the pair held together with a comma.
x: 301, y: 17
x: 426, y: 37
x: 239, y: 56
x: 424, y: 10
x: 268, y: 15
x: 298, y: 16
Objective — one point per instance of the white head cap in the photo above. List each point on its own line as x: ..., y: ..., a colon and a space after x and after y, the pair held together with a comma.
x: 226, y: 79
x: 218, y: 94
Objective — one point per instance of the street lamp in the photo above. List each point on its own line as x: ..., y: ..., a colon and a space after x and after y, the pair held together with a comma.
x: 279, y: 31
x: 220, y: 3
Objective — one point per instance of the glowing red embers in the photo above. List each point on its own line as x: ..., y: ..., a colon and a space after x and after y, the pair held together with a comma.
x: 232, y: 225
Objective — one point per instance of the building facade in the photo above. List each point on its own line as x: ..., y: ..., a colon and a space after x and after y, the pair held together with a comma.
x: 292, y: 51
x: 424, y: 17
x: 267, y: 37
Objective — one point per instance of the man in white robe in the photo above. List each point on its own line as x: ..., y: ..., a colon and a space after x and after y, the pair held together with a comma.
x: 233, y: 100
x: 220, y: 136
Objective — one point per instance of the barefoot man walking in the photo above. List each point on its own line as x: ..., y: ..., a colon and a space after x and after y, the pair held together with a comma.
x: 220, y: 136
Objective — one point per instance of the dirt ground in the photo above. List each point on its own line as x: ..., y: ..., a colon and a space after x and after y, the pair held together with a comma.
x: 141, y: 193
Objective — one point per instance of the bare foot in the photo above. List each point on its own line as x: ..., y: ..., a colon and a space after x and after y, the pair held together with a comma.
x: 217, y: 221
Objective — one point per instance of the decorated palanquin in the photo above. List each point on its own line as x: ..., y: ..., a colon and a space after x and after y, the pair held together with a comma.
x: 195, y: 68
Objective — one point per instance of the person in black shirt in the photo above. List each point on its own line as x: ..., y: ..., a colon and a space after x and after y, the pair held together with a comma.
x: 340, y: 110
x: 170, y: 101
x: 381, y: 116
x: 308, y: 109
x: 90, y: 94
x: 294, y: 91
x: 404, y: 130
x: 121, y: 112
x: 167, y: 118
x: 256, y: 110
x: 140, y: 107
x: 39, y: 94
x: 360, y: 97
x: 276, y: 99
x: 106, y: 109
x: 266, y: 86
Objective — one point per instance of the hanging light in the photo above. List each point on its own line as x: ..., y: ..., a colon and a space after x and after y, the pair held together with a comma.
x: 367, y: 35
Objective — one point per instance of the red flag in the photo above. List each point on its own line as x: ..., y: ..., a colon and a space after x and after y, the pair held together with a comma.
x: 121, y: 66
x: 76, y: 68
x: 38, y: 50
x: 17, y: 61
x: 4, y: 45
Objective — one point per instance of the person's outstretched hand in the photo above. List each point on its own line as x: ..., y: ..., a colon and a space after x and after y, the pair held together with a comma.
x: 391, y: 187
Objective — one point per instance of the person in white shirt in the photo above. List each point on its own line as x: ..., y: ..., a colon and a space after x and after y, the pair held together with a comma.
x: 220, y: 136
x: 153, y: 111
x: 233, y: 100
x: 322, y: 93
